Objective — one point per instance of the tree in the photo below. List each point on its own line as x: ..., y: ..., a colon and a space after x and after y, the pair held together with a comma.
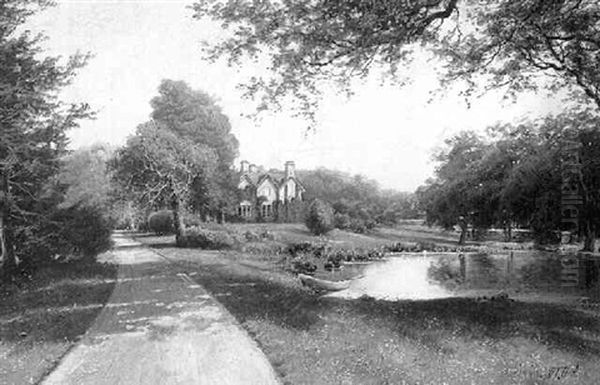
x: 464, y: 191
x: 193, y: 115
x: 158, y: 167
x: 32, y: 133
x: 515, y: 174
x: 309, y: 41
x: 589, y: 137
x: 84, y: 173
x: 507, y: 42
x: 319, y: 218
x: 515, y: 41
x: 359, y: 201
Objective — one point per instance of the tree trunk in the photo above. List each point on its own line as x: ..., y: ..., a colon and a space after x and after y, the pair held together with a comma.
x: 178, y: 223
x: 9, y: 261
x: 177, y: 220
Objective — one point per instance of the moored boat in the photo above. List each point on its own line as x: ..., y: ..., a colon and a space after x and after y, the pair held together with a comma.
x: 322, y: 284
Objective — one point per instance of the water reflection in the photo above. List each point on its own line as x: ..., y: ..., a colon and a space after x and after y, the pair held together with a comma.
x: 396, y: 278
x: 445, y: 275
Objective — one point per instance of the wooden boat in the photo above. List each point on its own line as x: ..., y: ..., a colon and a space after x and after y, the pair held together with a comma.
x: 322, y: 284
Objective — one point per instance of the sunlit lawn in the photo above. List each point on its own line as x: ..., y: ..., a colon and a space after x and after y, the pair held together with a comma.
x: 315, y: 340
x: 42, y: 318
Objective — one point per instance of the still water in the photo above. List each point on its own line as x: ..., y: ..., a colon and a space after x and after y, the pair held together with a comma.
x: 430, y: 276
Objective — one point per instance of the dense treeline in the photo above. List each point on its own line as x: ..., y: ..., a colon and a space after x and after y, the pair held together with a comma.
x: 513, y: 176
x: 359, y: 203
x: 42, y: 214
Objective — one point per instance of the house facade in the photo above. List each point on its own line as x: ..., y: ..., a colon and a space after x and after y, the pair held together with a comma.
x: 268, y: 195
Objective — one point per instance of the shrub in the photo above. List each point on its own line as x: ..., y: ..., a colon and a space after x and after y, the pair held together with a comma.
x: 205, y: 239
x: 75, y: 231
x: 88, y: 232
x: 319, y: 218
x: 161, y: 222
x: 315, y: 249
x: 303, y: 265
x: 300, y: 248
x: 341, y: 221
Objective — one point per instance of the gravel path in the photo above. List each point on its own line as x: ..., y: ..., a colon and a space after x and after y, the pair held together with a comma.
x: 161, y: 327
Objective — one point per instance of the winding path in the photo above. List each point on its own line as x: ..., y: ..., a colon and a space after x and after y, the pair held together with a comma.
x: 161, y: 327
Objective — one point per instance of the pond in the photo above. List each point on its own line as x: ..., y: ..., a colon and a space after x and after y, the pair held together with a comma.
x: 430, y: 276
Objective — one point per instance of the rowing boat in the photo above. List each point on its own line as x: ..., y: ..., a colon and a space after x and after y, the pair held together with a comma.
x: 322, y: 284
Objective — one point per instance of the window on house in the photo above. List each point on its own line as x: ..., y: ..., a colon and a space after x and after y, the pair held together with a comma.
x: 266, y: 210
x: 245, y: 211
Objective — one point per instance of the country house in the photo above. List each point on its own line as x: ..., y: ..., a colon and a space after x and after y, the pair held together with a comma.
x: 268, y: 195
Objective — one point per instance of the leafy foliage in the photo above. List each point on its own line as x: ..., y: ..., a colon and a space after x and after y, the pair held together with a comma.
x: 85, y: 231
x: 157, y: 167
x: 319, y: 218
x: 195, y: 117
x: 206, y: 239
x: 311, y: 41
x: 513, y: 176
x: 33, y: 134
x: 516, y: 41
x: 161, y: 222
x: 84, y: 175
x: 503, y: 42
x: 359, y: 203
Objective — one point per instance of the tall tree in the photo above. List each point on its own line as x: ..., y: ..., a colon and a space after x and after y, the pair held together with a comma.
x: 516, y: 174
x: 459, y: 194
x: 194, y: 116
x: 158, y: 167
x: 33, y: 126
x: 507, y: 42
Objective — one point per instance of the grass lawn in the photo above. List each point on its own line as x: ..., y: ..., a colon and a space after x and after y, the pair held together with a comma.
x: 287, y: 233
x: 42, y: 318
x: 314, y: 340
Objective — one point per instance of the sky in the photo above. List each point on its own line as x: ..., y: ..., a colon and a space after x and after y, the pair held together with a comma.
x: 385, y: 131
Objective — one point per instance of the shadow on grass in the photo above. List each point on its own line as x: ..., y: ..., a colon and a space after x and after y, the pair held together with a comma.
x: 431, y: 322
x: 33, y: 311
x: 250, y: 294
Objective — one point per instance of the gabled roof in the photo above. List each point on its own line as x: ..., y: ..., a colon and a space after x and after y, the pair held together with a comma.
x: 277, y: 177
x: 283, y: 181
x: 264, y: 177
x: 247, y: 179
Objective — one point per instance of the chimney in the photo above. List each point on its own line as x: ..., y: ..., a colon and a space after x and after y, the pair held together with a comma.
x: 244, y: 166
x: 253, y: 168
x: 290, y: 168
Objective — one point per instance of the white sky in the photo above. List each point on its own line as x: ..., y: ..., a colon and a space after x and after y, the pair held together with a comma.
x: 384, y: 132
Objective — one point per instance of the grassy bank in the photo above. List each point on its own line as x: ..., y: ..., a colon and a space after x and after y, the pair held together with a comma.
x: 315, y: 340
x: 43, y: 316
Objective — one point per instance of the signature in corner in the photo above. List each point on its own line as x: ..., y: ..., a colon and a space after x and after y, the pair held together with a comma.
x: 560, y: 372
